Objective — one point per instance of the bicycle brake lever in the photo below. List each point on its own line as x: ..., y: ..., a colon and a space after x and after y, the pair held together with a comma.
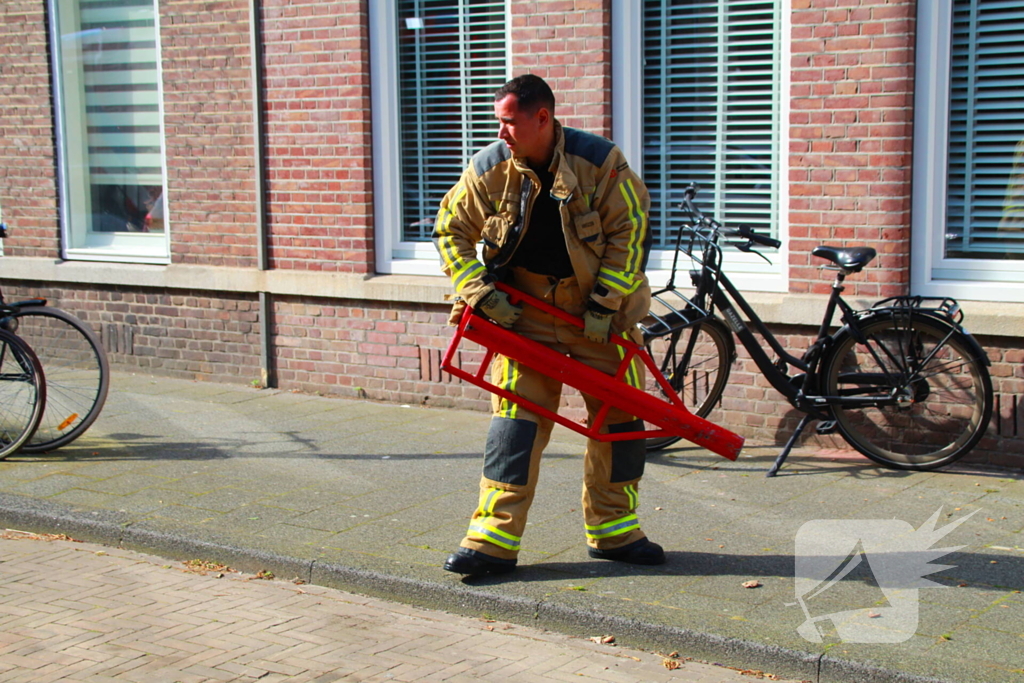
x: 747, y: 247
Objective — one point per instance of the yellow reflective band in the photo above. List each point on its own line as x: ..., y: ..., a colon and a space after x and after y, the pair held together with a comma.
x: 626, y: 283
x: 632, y: 373
x: 488, y: 499
x: 466, y: 271
x: 509, y: 379
x: 460, y: 268
x: 634, y: 497
x: 639, y: 220
x: 614, y: 528
x: 494, y: 535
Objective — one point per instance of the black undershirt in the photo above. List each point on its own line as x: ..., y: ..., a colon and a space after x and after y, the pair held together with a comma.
x: 543, y: 249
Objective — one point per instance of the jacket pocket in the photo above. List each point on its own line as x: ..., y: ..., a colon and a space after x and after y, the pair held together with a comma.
x: 588, y: 229
x: 494, y: 234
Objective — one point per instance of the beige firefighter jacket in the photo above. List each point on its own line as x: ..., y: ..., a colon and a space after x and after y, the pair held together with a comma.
x: 604, y: 207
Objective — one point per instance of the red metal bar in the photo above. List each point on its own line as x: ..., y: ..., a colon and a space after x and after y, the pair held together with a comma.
x: 671, y: 416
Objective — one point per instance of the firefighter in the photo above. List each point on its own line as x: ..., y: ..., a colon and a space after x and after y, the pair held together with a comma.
x: 561, y: 217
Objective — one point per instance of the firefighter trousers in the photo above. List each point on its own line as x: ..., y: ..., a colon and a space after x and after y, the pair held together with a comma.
x: 517, y: 436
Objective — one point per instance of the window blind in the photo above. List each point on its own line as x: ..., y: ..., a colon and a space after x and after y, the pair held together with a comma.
x: 710, y: 110
x: 452, y: 58
x: 985, y: 204
x: 120, y: 80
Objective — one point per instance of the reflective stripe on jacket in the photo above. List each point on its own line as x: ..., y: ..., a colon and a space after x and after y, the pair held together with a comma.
x: 604, y: 208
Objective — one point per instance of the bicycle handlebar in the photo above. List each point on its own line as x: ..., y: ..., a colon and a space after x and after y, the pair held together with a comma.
x: 744, y: 231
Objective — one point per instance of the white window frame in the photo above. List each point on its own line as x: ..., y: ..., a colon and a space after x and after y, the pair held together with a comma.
x: 392, y: 254
x: 931, y: 273
x: 747, y: 271
x: 112, y: 247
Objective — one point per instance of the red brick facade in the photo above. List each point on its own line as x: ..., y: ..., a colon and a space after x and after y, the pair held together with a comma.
x: 849, y: 170
x: 28, y: 174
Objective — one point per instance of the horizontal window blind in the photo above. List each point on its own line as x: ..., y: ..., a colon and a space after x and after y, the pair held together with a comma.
x: 452, y: 58
x: 120, y: 79
x: 711, y: 109
x: 985, y: 205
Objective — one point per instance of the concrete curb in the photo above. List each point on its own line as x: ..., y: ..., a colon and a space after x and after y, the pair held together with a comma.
x: 106, y: 528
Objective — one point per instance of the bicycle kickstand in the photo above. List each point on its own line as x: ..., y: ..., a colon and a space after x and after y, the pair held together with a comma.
x: 789, y: 446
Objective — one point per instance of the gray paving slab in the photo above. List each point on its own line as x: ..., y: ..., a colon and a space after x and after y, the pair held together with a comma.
x: 371, y: 497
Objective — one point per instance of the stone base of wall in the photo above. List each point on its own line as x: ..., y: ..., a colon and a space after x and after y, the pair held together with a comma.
x: 391, y: 351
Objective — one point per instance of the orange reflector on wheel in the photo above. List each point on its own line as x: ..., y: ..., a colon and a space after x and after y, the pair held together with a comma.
x: 64, y: 425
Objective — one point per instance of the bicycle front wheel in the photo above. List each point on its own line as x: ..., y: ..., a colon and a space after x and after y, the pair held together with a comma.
x: 696, y: 362
x: 940, y: 382
x: 22, y: 393
x: 76, y: 369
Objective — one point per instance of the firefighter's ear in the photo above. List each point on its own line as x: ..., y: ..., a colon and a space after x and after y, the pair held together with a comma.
x: 543, y: 117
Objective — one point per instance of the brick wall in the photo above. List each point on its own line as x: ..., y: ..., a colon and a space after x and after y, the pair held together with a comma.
x: 568, y: 44
x: 319, y: 174
x: 209, y: 132
x: 28, y: 190
x: 193, y: 334
x: 851, y: 131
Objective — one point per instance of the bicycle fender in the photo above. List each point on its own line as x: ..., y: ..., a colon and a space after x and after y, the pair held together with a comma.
x: 933, y: 318
x: 28, y: 303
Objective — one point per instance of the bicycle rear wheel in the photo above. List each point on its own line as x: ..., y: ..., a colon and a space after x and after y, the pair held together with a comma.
x: 696, y: 362
x: 942, y: 386
x: 77, y: 374
x: 22, y: 393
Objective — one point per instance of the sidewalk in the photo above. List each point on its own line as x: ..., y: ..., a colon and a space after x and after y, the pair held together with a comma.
x: 82, y: 612
x: 371, y: 498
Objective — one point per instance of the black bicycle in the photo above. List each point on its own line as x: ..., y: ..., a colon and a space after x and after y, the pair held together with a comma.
x: 74, y: 362
x: 22, y: 392
x: 902, y: 381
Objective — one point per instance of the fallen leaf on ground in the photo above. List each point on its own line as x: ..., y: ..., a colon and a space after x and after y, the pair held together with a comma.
x: 751, y: 584
x: 604, y: 640
x: 670, y: 664
x: 204, y: 566
x: 873, y: 615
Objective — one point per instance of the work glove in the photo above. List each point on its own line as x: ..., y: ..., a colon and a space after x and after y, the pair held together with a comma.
x: 597, y: 324
x: 498, y: 308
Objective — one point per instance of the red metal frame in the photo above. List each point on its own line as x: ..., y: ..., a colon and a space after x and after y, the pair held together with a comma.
x: 671, y: 416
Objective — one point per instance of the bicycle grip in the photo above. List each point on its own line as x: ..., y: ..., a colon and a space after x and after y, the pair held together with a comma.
x: 748, y: 232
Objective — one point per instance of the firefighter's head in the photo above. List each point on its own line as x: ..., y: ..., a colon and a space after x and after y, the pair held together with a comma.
x: 525, y: 109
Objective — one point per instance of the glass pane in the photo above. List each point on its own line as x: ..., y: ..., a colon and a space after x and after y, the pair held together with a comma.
x: 711, y: 80
x: 452, y: 58
x: 110, y: 96
x: 985, y: 202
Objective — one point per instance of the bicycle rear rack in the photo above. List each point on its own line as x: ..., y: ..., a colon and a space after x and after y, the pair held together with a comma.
x: 670, y: 416
x: 943, y: 306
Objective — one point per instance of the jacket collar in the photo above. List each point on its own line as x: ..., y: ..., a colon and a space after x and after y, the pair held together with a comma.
x: 565, y: 180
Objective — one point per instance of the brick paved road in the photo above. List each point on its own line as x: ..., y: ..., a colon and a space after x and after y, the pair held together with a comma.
x: 81, y: 612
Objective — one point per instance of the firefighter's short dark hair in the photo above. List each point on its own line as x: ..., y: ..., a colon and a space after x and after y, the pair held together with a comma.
x: 531, y: 92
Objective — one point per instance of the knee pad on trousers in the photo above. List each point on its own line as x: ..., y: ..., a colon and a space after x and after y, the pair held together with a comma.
x: 507, y: 454
x: 628, y: 457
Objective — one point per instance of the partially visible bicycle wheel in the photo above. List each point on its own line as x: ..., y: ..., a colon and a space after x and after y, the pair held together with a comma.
x: 77, y: 374
x: 696, y: 362
x: 22, y: 393
x: 942, y: 387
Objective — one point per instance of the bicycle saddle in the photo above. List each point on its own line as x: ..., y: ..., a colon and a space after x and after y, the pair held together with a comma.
x: 852, y: 259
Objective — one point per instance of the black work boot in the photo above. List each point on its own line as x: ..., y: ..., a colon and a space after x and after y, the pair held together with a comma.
x: 474, y: 563
x: 643, y: 551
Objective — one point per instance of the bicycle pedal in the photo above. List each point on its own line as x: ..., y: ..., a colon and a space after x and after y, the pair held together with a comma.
x: 826, y: 427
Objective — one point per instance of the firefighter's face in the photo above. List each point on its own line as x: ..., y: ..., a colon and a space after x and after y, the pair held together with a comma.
x: 527, y: 135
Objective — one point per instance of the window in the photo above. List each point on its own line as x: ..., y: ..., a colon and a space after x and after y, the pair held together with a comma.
x: 437, y: 64
x: 711, y: 78
x: 969, y: 150
x: 107, y: 63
